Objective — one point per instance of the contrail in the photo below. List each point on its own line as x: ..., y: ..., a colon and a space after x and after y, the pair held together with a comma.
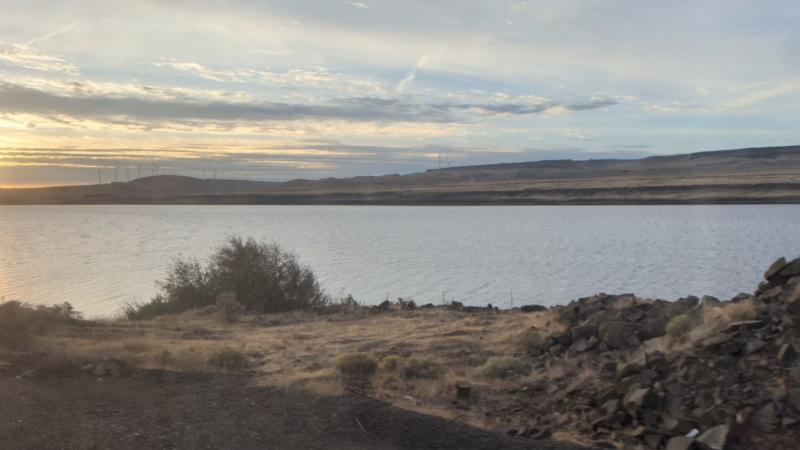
x: 53, y: 33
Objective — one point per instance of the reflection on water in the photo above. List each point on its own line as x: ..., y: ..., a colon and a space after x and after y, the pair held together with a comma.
x: 98, y: 257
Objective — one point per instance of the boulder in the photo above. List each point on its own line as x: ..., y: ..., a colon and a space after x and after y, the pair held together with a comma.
x: 776, y: 267
x: 632, y: 314
x: 583, y: 332
x: 792, y: 269
x: 680, y: 443
x: 617, y: 335
x: 714, y: 438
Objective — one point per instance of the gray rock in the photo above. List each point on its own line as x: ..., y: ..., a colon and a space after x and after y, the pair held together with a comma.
x: 632, y: 314
x: 680, y: 443
x: 714, y: 438
x: 766, y: 418
x: 708, y: 300
x: 562, y: 338
x: 638, y: 398
x: 793, y: 397
x: 787, y: 353
x: 753, y: 346
x: 618, y: 335
x: 770, y: 294
x: 776, y: 267
x: 580, y: 346
x: 715, y: 340
x: 794, y: 374
x: 583, y: 332
x: 792, y: 269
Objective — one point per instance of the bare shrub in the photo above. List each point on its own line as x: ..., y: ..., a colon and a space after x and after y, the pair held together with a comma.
x: 229, y: 359
x: 262, y: 277
x: 503, y: 366
x: 19, y: 322
x: 530, y: 342
x: 389, y: 362
x: 227, y: 306
x: 421, y: 368
x: 358, y: 365
x: 679, y: 326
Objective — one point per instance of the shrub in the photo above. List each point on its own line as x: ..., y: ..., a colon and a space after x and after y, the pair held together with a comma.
x: 503, y: 366
x: 229, y: 359
x: 262, y: 277
x: 389, y: 362
x: 358, y: 365
x: 679, y: 326
x: 19, y: 321
x: 229, y: 309
x: 421, y: 368
x: 530, y: 342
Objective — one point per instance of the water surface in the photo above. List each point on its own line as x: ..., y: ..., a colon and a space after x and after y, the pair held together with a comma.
x: 98, y: 257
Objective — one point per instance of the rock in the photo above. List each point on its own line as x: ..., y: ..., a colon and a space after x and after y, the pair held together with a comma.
x: 771, y: 294
x: 638, y: 398
x: 791, y: 270
x: 618, y: 335
x: 794, y: 374
x: 632, y: 314
x: 776, y: 267
x: 714, y: 438
x: 715, y: 340
x: 753, y: 346
x: 562, y: 338
x: 583, y: 332
x: 787, y: 353
x: 766, y: 418
x: 581, y: 346
x: 793, y: 398
x: 680, y: 443
x: 709, y: 300
x: 652, y: 440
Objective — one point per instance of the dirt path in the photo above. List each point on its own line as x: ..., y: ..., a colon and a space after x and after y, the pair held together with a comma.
x: 153, y: 409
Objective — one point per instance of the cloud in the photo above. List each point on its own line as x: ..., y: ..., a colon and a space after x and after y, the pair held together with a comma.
x: 25, y: 57
x: 360, y: 5
x: 110, y: 108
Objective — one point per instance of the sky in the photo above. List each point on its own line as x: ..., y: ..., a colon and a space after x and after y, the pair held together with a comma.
x: 277, y: 90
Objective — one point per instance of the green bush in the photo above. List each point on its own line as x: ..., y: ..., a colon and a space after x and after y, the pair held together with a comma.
x: 503, y: 366
x: 421, y: 368
x: 359, y: 365
x: 262, y: 277
x: 679, y: 326
x: 229, y: 359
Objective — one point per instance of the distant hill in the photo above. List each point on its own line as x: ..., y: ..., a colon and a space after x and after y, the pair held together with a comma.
x: 750, y: 175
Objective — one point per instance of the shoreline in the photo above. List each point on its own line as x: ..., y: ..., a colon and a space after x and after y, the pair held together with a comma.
x: 601, y: 370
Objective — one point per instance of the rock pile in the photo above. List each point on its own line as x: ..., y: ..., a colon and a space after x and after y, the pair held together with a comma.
x: 730, y: 384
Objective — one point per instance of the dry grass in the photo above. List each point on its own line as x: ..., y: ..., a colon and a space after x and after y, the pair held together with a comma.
x: 421, y: 354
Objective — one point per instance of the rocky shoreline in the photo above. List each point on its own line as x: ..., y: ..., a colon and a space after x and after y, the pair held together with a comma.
x: 734, y: 384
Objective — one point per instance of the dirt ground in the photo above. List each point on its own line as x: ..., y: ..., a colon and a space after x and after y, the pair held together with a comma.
x: 161, y: 409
